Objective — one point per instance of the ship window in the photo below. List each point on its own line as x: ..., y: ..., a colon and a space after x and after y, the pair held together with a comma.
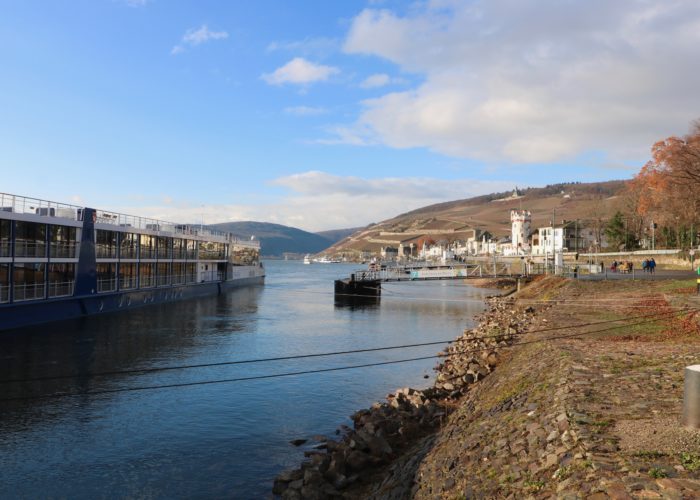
x: 191, y: 272
x: 106, y: 277
x: 5, y: 237
x: 147, y: 275
x: 128, y: 275
x: 211, y: 250
x: 28, y: 281
x: 163, y: 273
x: 165, y: 247
x: 178, y: 273
x: 191, y: 250
x: 243, y: 256
x: 30, y: 239
x: 106, y: 244
x: 206, y: 250
x: 63, y: 241
x: 148, y: 247
x: 128, y: 246
x: 61, y: 279
x: 4, y: 282
x: 179, y: 248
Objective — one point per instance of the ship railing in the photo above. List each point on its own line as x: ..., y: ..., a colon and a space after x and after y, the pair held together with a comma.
x: 163, y: 280
x: 164, y: 255
x: 163, y: 227
x: 5, y: 249
x: 147, y: 282
x: 28, y: 291
x: 24, y: 205
x: 63, y: 250
x: 105, y: 251
x: 179, y: 279
x: 61, y: 288
x: 127, y: 282
x: 30, y: 248
x: 205, y: 255
x: 106, y: 285
x: 147, y: 253
x: 4, y: 293
x: 128, y: 253
x: 191, y: 278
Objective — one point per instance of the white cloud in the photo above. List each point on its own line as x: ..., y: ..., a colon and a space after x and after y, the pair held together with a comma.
x: 375, y: 81
x: 300, y: 71
x: 198, y: 36
x: 534, y: 81
x: 305, y: 110
x: 353, y: 135
x: 317, y: 201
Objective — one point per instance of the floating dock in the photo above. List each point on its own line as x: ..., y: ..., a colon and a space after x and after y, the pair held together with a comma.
x: 368, y: 283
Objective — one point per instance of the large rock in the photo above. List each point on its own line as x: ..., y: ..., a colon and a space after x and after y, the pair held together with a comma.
x: 357, y: 460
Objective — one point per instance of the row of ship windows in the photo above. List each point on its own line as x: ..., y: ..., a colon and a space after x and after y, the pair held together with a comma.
x: 33, y: 281
x: 31, y: 240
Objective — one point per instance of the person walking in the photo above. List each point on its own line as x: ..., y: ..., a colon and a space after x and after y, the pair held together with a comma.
x: 652, y: 266
x: 645, y: 263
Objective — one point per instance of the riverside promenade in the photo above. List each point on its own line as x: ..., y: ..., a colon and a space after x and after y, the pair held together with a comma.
x: 638, y: 274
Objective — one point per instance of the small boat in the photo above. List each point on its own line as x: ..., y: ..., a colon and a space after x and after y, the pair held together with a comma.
x: 307, y: 259
x: 326, y: 260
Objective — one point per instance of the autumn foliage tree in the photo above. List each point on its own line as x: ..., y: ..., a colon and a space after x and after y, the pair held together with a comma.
x: 667, y: 189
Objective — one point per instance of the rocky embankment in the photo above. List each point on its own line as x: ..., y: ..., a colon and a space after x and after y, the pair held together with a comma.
x: 399, y: 431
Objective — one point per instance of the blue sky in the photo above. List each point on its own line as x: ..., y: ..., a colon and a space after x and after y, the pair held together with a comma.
x: 326, y: 114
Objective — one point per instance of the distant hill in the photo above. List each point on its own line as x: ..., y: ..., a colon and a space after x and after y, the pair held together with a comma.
x: 335, y: 235
x: 276, y: 239
x: 590, y: 203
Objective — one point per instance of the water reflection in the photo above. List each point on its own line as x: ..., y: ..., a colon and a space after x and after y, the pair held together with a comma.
x: 142, y: 338
x: 225, y: 440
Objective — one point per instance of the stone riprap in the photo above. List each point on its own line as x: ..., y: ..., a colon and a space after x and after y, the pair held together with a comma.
x: 387, y: 430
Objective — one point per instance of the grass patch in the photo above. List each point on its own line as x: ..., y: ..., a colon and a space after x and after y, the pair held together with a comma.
x: 534, y: 485
x: 657, y: 473
x: 562, y: 473
x: 675, y: 285
x: 690, y: 461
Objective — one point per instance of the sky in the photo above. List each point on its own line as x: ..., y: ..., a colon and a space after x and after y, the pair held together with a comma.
x: 325, y: 115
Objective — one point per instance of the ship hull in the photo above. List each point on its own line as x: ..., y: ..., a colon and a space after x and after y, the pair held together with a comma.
x: 30, y: 313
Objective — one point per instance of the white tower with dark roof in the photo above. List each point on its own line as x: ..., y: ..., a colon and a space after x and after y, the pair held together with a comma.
x: 521, y: 221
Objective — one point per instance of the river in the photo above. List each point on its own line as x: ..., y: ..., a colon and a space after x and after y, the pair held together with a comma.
x: 215, y: 440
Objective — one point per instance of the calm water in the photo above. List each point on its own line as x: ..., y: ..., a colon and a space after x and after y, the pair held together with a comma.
x: 220, y: 440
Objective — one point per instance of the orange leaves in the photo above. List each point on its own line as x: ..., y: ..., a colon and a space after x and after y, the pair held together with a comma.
x: 667, y: 188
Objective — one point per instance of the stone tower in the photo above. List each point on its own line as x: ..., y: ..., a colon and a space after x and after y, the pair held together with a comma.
x: 521, y: 221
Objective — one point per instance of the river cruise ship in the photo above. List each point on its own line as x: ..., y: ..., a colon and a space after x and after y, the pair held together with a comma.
x: 60, y: 261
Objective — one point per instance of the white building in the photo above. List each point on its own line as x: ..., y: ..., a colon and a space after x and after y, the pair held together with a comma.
x: 548, y: 241
x: 569, y: 237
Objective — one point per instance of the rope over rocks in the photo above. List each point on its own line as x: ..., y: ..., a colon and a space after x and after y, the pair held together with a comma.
x: 381, y: 433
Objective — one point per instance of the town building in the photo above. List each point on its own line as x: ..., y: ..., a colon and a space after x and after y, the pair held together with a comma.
x: 570, y: 236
